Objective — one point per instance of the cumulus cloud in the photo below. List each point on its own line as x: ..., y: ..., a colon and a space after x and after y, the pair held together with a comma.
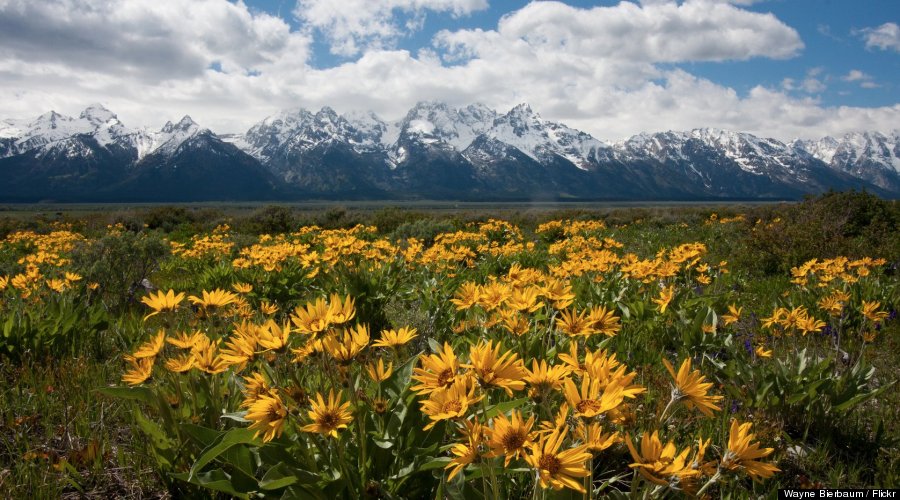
x: 611, y: 71
x: 700, y: 30
x: 159, y: 39
x: 353, y: 25
x: 884, y: 37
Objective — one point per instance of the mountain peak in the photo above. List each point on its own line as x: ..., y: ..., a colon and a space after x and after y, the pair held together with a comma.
x: 97, y: 114
x: 185, y: 124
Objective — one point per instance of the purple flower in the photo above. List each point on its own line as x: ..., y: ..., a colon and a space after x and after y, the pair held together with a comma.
x: 748, y: 346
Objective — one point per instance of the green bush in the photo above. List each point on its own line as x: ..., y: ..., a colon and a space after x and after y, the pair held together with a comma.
x: 119, y: 263
x: 854, y: 224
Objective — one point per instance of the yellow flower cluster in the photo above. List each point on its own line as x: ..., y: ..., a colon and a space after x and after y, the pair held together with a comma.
x: 211, y: 246
x: 833, y: 273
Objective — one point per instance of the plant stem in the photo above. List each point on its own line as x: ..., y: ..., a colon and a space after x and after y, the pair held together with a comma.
x: 709, y: 483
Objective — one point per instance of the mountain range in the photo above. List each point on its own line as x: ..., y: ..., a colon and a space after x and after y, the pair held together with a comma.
x: 435, y: 152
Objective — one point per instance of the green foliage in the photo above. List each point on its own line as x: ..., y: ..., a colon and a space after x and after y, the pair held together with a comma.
x: 851, y: 223
x: 803, y: 389
x: 119, y: 262
x: 61, y: 326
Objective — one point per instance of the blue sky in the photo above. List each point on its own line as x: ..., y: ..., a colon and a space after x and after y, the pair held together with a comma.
x: 779, y: 68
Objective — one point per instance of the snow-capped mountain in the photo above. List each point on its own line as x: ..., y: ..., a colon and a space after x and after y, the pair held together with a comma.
x: 97, y: 158
x: 872, y: 156
x: 434, y: 151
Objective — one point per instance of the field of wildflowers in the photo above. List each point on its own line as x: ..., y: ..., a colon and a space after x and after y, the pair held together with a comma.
x: 576, y: 357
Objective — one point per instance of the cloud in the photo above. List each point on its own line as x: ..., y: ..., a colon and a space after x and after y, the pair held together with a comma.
x: 700, y: 30
x: 611, y: 71
x: 353, y: 25
x: 864, y: 80
x: 855, y: 75
x: 884, y: 37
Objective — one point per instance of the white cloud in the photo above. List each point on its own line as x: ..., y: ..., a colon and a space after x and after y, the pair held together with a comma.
x: 700, y: 30
x: 605, y: 70
x: 855, y: 75
x: 884, y: 37
x: 353, y: 25
x: 864, y: 80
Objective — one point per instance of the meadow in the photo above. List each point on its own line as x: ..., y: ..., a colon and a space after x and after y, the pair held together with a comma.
x: 569, y: 351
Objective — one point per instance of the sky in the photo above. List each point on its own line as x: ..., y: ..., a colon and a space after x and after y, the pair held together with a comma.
x: 776, y: 68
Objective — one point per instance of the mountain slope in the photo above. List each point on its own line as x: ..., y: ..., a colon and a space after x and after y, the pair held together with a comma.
x: 435, y: 151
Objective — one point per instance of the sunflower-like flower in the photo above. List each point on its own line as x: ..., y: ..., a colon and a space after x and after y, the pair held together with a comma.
x: 241, y: 346
x: 242, y: 287
x: 346, y: 346
x: 268, y: 308
x: 665, y: 297
x: 466, y: 296
x: 589, y: 402
x: 544, y: 378
x: 268, y: 414
x: 152, y: 347
x: 762, y: 352
x: 494, y: 369
x: 274, y: 337
x: 524, y: 300
x: 742, y: 453
x: 493, y: 295
x: 140, y: 371
x: 314, y: 319
x: 691, y: 388
x: 185, y: 340
x: 453, y: 402
x: 160, y: 302
x: 180, y: 363
x: 216, y: 299
x: 468, y: 451
x: 395, y: 338
x: 255, y: 385
x: 558, y: 469
x: 437, y: 371
x: 558, y: 292
x: 208, y: 358
x: 871, y: 312
x: 605, y: 321
x: 592, y: 435
x: 328, y: 418
x: 510, y: 436
x: 658, y: 463
x: 733, y: 315
x: 575, y: 324
x: 340, y: 310
x: 378, y: 372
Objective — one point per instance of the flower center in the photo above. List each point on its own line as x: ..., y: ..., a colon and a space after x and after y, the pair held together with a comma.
x: 588, y: 405
x: 328, y: 421
x: 445, y: 377
x: 513, y: 439
x: 452, y: 406
x: 550, y: 463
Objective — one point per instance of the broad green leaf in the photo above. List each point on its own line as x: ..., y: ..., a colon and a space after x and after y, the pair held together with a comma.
x: 221, y: 444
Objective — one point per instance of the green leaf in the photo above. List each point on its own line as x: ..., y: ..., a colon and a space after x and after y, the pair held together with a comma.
x: 217, y: 480
x: 505, y: 406
x: 437, y: 463
x: 282, y: 475
x: 143, y: 394
x: 221, y: 444
x: 202, y: 435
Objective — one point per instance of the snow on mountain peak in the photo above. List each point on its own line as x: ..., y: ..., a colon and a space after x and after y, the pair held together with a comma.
x: 97, y: 115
